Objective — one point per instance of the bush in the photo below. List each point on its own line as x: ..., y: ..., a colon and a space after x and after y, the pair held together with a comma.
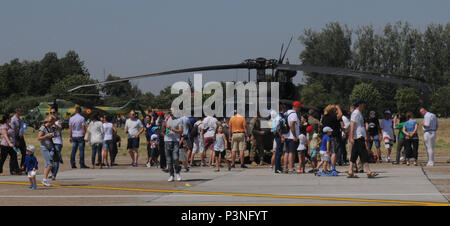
x: 407, y: 100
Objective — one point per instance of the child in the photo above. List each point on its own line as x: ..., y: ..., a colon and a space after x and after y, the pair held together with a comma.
x: 154, y: 146
x: 325, y: 149
x: 314, y: 142
x: 301, y: 149
x: 220, y: 146
x: 31, y: 166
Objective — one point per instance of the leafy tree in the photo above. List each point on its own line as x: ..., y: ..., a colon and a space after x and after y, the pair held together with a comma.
x: 441, y: 103
x: 72, y: 65
x: 316, y: 95
x: 407, y: 100
x: 370, y: 94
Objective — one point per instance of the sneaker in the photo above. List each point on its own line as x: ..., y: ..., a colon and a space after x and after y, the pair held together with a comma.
x: 178, y: 177
x: 84, y: 167
x: 430, y: 164
x: 415, y: 163
x: 34, y: 186
x: 148, y: 165
x: 134, y: 165
x: 170, y: 179
x: 186, y: 170
x: 243, y: 166
x: 31, y: 187
x: 45, y: 183
x: 74, y: 167
x: 388, y: 159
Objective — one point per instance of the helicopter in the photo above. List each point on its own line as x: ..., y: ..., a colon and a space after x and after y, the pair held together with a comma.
x: 283, y: 73
x: 67, y: 108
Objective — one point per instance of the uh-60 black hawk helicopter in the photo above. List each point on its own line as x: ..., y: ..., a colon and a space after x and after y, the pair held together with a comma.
x: 283, y: 73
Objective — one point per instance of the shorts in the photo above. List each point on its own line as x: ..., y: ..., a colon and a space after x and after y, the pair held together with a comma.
x: 32, y: 173
x: 153, y: 152
x: 220, y: 153
x: 108, y: 145
x: 334, y: 145
x: 376, y: 140
x: 133, y: 143
x: 187, y: 141
x: 302, y: 152
x: 313, y: 153
x: 182, y: 154
x: 209, y: 143
x: 238, y: 142
x: 48, y: 156
x: 388, y: 142
x: 198, y: 146
x: 324, y: 156
x: 359, y: 150
x: 291, y: 146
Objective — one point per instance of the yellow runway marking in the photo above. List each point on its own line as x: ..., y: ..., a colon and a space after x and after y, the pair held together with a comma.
x: 386, y: 202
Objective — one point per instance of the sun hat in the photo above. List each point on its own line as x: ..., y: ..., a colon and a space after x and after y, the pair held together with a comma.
x: 327, y: 129
x: 31, y: 148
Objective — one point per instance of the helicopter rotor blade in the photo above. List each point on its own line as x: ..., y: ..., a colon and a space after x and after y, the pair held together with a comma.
x: 281, y: 54
x: 194, y: 69
x: 287, y: 48
x: 346, y: 72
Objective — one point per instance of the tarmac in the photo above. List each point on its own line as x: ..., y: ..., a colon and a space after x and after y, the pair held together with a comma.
x: 202, y: 186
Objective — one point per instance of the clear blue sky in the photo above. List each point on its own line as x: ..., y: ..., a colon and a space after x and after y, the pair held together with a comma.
x: 137, y: 37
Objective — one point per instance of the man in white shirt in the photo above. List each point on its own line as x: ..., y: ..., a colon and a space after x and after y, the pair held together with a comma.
x: 77, y: 129
x: 134, y: 128
x: 387, y: 126
x: 291, y: 138
x: 430, y: 126
x: 174, y: 129
x: 357, y: 138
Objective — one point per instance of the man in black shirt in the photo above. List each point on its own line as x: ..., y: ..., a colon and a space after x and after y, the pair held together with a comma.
x: 332, y: 117
x: 374, y: 133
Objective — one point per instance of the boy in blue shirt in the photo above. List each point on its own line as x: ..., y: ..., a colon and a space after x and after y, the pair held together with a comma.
x: 31, y: 166
x: 325, y: 149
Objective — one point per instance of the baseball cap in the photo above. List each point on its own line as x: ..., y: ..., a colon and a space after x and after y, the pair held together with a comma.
x: 160, y: 113
x: 154, y: 128
x: 31, y: 148
x: 387, y: 112
x: 327, y: 129
x: 298, y: 104
x: 309, y: 128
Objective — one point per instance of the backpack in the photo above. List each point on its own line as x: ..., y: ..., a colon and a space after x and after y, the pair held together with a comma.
x: 284, y: 124
x: 194, y: 131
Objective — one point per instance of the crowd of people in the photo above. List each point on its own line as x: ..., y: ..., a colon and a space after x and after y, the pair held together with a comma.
x: 172, y: 143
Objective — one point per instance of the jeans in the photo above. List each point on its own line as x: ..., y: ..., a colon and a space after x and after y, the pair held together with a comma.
x: 172, y: 150
x: 278, y: 153
x: 13, y: 165
x: 96, y: 150
x: 77, y: 143
x: 412, y: 147
x: 58, y: 148
x: 23, y: 149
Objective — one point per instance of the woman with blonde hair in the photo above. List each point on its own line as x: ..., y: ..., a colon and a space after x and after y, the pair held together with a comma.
x: 45, y: 135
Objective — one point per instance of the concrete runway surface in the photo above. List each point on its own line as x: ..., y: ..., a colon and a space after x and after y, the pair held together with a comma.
x: 203, y: 186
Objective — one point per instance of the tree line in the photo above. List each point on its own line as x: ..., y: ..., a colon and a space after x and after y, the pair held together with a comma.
x: 398, y: 49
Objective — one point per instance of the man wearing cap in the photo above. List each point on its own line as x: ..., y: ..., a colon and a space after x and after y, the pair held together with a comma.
x: 374, y: 136
x: 429, y: 125
x: 357, y: 138
x: 291, y: 138
x: 387, y: 125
